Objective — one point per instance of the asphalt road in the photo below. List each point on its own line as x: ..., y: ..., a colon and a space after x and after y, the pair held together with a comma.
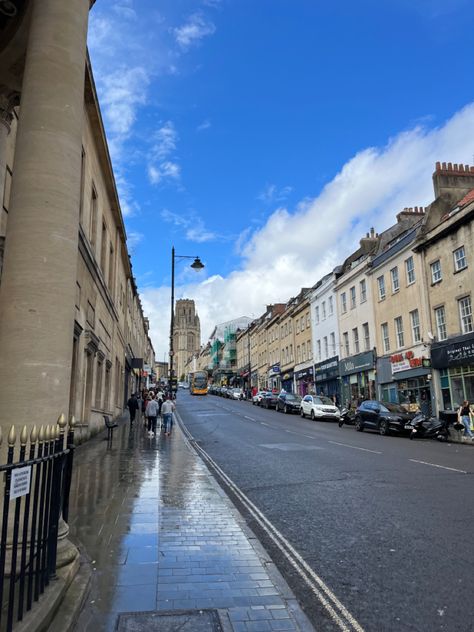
x: 386, y: 523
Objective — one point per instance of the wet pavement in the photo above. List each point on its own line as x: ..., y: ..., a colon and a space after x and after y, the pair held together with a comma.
x: 165, y: 543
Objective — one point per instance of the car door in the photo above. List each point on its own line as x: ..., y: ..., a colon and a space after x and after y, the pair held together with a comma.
x: 306, y: 404
x: 372, y: 415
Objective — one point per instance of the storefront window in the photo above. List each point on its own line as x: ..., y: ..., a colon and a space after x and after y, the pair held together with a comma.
x: 457, y: 384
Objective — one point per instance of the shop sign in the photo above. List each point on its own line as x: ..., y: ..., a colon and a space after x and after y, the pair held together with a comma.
x: 457, y: 353
x: 406, y: 361
x: 276, y: 368
x: 287, y: 376
x: 356, y: 364
x: 327, y: 370
x: 308, y: 372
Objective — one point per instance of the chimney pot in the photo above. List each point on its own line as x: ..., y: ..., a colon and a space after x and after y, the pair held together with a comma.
x: 461, y: 168
x: 471, y: 169
x: 444, y: 166
x: 466, y: 168
x: 450, y: 166
x: 438, y: 166
x: 455, y: 166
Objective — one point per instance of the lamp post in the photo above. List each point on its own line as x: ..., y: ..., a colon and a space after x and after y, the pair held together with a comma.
x: 196, y: 265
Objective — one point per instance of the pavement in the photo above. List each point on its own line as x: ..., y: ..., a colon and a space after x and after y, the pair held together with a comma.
x: 168, y: 549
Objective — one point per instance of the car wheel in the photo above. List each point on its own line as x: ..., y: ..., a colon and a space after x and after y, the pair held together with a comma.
x: 312, y: 415
x: 359, y: 426
x: 301, y: 413
x: 384, y: 428
x: 285, y: 409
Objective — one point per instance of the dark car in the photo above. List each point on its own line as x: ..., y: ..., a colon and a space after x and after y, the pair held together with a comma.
x: 288, y: 403
x: 382, y: 416
x: 268, y: 400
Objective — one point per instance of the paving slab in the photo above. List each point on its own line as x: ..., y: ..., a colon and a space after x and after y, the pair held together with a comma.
x: 166, y: 545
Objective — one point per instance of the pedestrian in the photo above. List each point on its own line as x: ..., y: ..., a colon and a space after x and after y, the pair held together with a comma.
x: 159, y: 398
x: 464, y: 416
x: 132, y: 407
x: 152, y: 414
x: 167, y: 411
x: 144, y: 403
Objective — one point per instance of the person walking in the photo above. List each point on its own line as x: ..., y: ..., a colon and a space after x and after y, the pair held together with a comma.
x: 167, y: 410
x: 132, y: 407
x: 464, y: 416
x: 152, y: 414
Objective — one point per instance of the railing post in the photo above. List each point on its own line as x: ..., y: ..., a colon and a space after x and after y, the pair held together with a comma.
x: 6, y: 507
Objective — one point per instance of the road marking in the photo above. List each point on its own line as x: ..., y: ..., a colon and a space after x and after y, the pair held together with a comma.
x: 251, y: 418
x: 453, y: 469
x: 264, y: 424
x: 335, y: 609
x: 354, y: 447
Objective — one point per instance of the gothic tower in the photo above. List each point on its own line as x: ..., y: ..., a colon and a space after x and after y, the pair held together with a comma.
x: 187, y: 334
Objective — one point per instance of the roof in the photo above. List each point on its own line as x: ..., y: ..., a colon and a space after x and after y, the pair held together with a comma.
x: 469, y: 197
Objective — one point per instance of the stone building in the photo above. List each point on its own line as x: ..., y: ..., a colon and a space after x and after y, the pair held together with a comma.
x: 72, y: 331
x: 187, y: 335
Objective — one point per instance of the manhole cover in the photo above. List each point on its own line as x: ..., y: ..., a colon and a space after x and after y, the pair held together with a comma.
x: 184, y: 621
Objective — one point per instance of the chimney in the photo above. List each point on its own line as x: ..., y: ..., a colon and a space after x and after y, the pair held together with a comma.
x: 413, y: 212
x: 452, y: 181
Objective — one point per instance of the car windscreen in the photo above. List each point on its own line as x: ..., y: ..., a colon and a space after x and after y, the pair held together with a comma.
x: 392, y: 408
x: 323, y: 400
x: 292, y: 398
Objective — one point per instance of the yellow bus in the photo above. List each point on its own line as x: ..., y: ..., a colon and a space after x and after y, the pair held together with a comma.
x: 198, y: 383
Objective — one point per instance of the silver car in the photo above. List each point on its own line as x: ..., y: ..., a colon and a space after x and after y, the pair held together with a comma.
x: 319, y: 407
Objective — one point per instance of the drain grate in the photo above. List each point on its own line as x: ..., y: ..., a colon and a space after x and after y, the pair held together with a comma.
x: 184, y: 621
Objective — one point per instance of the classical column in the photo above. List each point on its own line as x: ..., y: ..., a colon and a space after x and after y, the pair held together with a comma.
x: 6, y: 116
x: 39, y: 273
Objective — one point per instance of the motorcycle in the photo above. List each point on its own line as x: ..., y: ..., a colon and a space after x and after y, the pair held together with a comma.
x: 425, y: 427
x: 347, y: 417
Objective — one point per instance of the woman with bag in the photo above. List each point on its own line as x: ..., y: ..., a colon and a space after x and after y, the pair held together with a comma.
x: 464, y: 416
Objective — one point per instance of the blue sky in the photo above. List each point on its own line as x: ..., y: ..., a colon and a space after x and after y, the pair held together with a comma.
x: 267, y: 136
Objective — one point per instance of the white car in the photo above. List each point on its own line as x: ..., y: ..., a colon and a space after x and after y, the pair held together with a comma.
x: 236, y: 393
x: 257, y: 398
x: 319, y: 407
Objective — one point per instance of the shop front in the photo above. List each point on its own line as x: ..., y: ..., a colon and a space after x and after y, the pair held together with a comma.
x: 326, y: 378
x: 411, y: 373
x: 287, y: 381
x: 453, y: 364
x: 357, y: 378
x: 274, y: 378
x: 304, y: 379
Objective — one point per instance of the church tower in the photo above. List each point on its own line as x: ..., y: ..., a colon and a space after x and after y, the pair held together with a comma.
x: 187, y: 334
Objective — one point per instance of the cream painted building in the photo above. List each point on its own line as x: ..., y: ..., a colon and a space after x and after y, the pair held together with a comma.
x: 304, y: 364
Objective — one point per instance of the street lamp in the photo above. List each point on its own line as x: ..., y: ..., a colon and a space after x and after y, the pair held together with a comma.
x: 196, y: 265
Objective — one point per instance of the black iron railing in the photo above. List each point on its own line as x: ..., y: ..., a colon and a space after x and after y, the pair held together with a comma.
x: 36, y: 491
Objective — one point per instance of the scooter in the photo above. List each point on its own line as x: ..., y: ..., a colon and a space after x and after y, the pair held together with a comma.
x: 425, y: 427
x: 347, y: 417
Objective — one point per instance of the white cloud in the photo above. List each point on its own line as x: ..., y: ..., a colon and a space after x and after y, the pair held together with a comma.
x: 194, y: 30
x: 193, y: 226
x: 133, y: 239
x: 165, y: 140
x: 295, y: 248
x: 272, y: 194
x: 204, y: 125
x: 165, y: 171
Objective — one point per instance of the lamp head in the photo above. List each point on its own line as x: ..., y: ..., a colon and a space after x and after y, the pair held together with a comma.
x: 197, y: 264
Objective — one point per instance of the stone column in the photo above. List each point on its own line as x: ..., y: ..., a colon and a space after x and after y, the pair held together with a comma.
x: 39, y: 273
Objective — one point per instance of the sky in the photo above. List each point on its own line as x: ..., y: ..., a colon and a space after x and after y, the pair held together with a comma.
x: 268, y: 136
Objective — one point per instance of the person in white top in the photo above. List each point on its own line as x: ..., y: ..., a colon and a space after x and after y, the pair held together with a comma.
x: 167, y: 410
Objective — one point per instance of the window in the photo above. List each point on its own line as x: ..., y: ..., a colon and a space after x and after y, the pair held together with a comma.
x: 365, y: 329
x: 395, y: 280
x: 93, y: 218
x: 318, y: 349
x: 385, y: 338
x: 410, y: 270
x: 103, y: 248
x: 330, y: 306
x: 415, y: 326
x: 465, y: 313
x: 381, y: 286
x: 440, y: 317
x: 353, y: 297
x: 345, y: 337
x: 297, y: 325
x: 343, y: 303
x: 355, y: 338
x: 436, y: 271
x: 316, y: 314
x: 460, y: 259
x: 83, y: 171
x: 363, y: 291
x: 111, y: 269
x: 308, y: 320
x: 333, y: 344
x: 303, y: 352
x: 323, y: 307
x: 298, y: 354
x: 302, y: 323
x: 399, y: 332
x: 326, y: 349
x: 291, y: 353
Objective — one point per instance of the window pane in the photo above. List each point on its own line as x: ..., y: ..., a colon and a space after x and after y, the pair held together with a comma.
x: 460, y: 259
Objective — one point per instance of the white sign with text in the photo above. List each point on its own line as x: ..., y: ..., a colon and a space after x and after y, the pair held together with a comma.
x: 20, y: 482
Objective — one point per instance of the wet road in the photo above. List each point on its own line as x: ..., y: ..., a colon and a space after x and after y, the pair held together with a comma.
x: 386, y: 523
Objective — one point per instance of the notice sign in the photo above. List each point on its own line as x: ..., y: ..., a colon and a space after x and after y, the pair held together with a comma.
x: 20, y: 482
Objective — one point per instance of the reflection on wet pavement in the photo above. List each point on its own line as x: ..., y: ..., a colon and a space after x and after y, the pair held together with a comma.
x: 162, y: 536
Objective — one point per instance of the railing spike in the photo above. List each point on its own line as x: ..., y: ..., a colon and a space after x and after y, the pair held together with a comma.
x: 41, y: 434
x: 72, y: 422
x: 62, y: 421
x: 47, y: 434
x: 1, y: 436
x: 34, y: 435
x: 12, y: 437
x: 24, y: 436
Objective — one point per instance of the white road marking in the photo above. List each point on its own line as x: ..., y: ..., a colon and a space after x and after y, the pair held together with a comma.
x: 251, y: 418
x: 453, y: 469
x: 264, y: 424
x: 354, y: 447
x: 335, y: 609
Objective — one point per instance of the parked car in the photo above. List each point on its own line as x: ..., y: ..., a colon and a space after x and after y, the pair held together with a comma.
x: 382, y: 416
x: 288, y: 403
x: 236, y: 393
x: 257, y: 397
x: 269, y: 400
x: 319, y: 407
